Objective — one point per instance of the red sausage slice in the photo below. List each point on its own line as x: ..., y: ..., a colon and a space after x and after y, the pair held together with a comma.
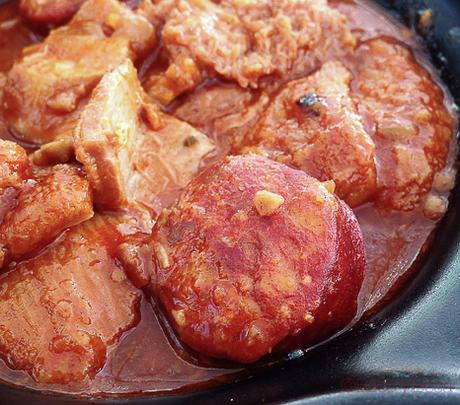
x: 255, y: 252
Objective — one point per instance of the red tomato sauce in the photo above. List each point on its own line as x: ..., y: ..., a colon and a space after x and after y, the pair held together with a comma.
x: 149, y: 358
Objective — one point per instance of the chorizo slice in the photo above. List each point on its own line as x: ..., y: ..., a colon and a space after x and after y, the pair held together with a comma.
x: 254, y: 254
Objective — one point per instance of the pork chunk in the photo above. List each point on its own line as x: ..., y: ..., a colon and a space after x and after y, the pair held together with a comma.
x: 208, y: 104
x: 405, y: 114
x: 49, y: 11
x: 64, y: 308
x: 46, y: 89
x: 132, y: 151
x: 44, y: 209
x: 14, y: 165
x: 254, y: 253
x: 136, y: 256
x: 107, y: 133
x: 313, y: 125
x: 15, y: 170
x: 225, y: 112
x: 166, y: 161
x: 242, y: 41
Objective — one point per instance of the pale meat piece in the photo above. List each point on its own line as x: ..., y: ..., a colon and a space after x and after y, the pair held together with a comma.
x: 223, y: 111
x: 313, y: 125
x: 49, y: 11
x: 131, y: 151
x: 15, y: 170
x: 46, y: 89
x: 242, y: 41
x: 207, y: 104
x: 106, y: 135
x: 165, y: 161
x: 44, y: 209
x: 64, y: 308
x: 136, y: 256
x: 14, y: 165
x: 4, y: 133
x: 405, y: 114
x: 15, y: 35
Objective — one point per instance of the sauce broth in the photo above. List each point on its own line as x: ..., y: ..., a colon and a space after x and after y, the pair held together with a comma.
x: 148, y: 358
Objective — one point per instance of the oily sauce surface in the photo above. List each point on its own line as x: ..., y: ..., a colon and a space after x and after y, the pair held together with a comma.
x: 148, y: 358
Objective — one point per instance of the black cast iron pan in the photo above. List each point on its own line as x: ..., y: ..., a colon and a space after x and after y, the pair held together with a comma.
x: 407, y: 353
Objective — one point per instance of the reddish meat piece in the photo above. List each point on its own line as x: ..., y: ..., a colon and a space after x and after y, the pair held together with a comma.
x: 136, y: 257
x: 63, y: 309
x: 131, y: 151
x: 14, y: 165
x: 15, y: 36
x: 210, y: 103
x: 4, y: 132
x: 165, y: 162
x: 49, y: 11
x: 255, y: 252
x: 242, y: 40
x: 313, y: 125
x: 45, y: 89
x: 405, y: 114
x: 15, y: 170
x: 45, y: 209
x: 107, y: 131
x: 224, y: 112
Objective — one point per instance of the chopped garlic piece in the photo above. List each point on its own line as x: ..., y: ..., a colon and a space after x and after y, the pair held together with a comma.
x: 267, y: 203
x: 179, y: 317
x: 309, y: 317
x: 162, y: 255
x: 330, y: 186
x: 113, y: 21
x: 435, y: 207
x: 444, y: 181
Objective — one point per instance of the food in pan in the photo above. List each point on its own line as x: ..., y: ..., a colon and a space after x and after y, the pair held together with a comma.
x: 254, y: 252
x: 188, y: 187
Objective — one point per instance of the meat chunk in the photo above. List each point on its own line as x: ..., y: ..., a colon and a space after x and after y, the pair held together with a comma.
x: 46, y: 89
x: 406, y: 116
x: 242, y: 41
x: 312, y: 124
x: 14, y: 165
x: 44, y: 209
x: 3, y: 126
x: 132, y: 151
x: 15, y: 170
x: 64, y: 308
x: 207, y: 104
x: 254, y: 253
x: 15, y: 36
x: 166, y: 161
x: 106, y: 135
x: 136, y: 257
x: 49, y: 11
x: 223, y: 111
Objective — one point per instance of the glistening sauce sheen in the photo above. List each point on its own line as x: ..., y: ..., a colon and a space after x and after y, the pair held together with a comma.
x: 148, y: 358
